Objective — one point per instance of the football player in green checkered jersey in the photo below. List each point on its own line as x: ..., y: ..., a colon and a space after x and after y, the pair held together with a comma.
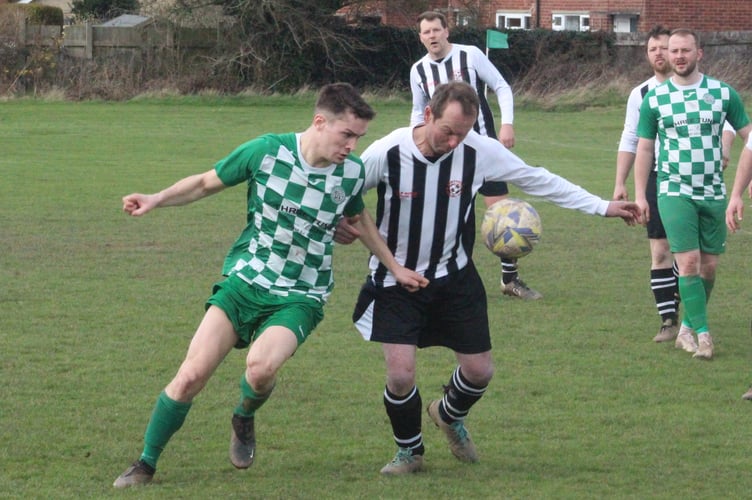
x: 686, y: 115
x: 278, y: 272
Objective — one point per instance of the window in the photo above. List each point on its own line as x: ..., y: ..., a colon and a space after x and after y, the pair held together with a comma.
x: 571, y: 22
x: 513, y: 20
x: 625, y: 23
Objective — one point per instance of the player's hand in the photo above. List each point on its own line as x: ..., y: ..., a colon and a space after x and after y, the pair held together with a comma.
x: 346, y: 232
x: 643, y: 211
x: 138, y: 204
x: 627, y: 210
x: 734, y: 213
x: 409, y: 279
x: 506, y: 135
x: 620, y: 193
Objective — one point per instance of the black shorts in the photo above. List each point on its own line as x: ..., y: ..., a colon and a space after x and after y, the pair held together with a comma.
x: 450, y: 312
x: 655, y: 224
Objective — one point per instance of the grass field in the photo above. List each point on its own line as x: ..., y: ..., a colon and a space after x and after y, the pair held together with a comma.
x: 98, y: 310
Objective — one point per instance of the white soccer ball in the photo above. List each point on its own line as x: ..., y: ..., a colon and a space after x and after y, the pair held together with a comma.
x: 511, y: 228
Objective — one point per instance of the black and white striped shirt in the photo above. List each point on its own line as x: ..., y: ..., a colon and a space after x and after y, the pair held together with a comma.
x: 425, y: 210
x: 469, y: 64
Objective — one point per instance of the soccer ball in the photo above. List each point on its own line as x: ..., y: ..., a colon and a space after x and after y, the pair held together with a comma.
x: 511, y: 228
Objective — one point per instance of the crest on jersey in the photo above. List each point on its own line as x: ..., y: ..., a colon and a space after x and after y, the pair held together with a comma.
x: 338, y: 195
x: 454, y: 188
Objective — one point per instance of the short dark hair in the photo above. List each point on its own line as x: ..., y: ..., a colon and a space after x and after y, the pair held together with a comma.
x: 688, y: 32
x: 432, y: 15
x: 454, y: 91
x: 339, y: 98
x: 656, y: 32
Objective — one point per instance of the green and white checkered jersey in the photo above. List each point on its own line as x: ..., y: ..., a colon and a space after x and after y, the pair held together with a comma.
x: 293, y: 208
x: 688, y: 123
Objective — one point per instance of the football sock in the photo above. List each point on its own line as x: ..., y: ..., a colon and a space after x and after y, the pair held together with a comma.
x: 694, y: 299
x: 708, y: 284
x: 404, y: 414
x: 168, y: 416
x: 664, y: 286
x: 249, y: 400
x: 508, y: 270
x: 459, y: 396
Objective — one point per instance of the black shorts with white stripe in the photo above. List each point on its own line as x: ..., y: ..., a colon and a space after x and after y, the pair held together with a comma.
x: 450, y: 312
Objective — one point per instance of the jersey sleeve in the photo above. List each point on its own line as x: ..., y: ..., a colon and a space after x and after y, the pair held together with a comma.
x: 492, y: 77
x: 420, y: 99
x: 629, y: 139
x: 375, y: 162
x: 647, y: 126
x: 501, y: 164
x: 736, y: 115
x: 241, y: 164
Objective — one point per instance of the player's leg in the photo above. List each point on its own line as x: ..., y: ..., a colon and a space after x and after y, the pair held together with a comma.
x: 213, y: 339
x: 396, y: 324
x: 459, y: 321
x: 682, y: 223
x: 663, y: 279
x: 403, y: 406
x: 712, y: 231
x: 288, y: 322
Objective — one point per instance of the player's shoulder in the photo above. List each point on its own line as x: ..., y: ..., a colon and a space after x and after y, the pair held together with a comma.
x: 643, y: 87
x: 470, y: 49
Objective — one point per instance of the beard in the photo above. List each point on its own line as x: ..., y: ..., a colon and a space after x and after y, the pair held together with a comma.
x: 688, y: 69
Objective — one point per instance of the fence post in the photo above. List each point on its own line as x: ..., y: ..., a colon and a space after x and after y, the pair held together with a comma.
x: 22, y: 30
x: 89, y: 50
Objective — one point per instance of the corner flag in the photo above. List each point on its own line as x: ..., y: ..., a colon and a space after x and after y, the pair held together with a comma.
x: 496, y: 40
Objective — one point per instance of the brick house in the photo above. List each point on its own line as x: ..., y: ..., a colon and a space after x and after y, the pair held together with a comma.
x: 583, y: 15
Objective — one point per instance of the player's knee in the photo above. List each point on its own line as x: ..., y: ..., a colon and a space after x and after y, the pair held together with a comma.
x: 261, y: 373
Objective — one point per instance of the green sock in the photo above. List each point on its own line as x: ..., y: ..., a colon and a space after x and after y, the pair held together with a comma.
x: 249, y: 400
x: 168, y: 416
x: 694, y: 299
x: 708, y: 284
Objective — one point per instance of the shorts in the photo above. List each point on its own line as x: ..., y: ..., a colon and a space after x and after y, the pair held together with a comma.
x: 450, y: 312
x: 251, y: 310
x: 494, y: 189
x: 694, y: 224
x: 655, y: 228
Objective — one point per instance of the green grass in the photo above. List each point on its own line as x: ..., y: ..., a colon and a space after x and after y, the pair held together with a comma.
x: 98, y: 310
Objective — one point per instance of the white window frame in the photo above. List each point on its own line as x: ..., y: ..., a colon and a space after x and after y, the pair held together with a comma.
x: 559, y: 20
x: 524, y: 19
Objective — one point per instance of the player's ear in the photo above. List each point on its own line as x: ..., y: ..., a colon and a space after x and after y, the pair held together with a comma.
x: 427, y: 114
x: 319, y: 121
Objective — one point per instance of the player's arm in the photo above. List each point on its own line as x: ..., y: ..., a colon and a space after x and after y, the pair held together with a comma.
x: 642, y: 165
x: 624, y: 162
x: 492, y: 77
x: 735, y: 209
x: 369, y: 235
x: 420, y: 100
x: 183, y: 192
x: 625, y: 156
x: 727, y: 141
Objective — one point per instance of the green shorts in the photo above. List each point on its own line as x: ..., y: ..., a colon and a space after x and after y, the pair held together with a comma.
x: 252, y: 310
x: 694, y: 224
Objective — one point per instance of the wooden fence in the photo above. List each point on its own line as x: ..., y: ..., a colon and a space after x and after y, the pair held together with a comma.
x: 90, y: 41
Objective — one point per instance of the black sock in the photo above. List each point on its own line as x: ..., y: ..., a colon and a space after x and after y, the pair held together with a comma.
x: 404, y: 414
x: 664, y: 284
x: 459, y: 396
x: 508, y: 270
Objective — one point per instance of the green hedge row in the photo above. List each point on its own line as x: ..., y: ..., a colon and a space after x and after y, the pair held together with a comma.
x: 384, y: 54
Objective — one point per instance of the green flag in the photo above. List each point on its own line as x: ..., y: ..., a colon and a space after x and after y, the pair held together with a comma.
x: 496, y: 40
